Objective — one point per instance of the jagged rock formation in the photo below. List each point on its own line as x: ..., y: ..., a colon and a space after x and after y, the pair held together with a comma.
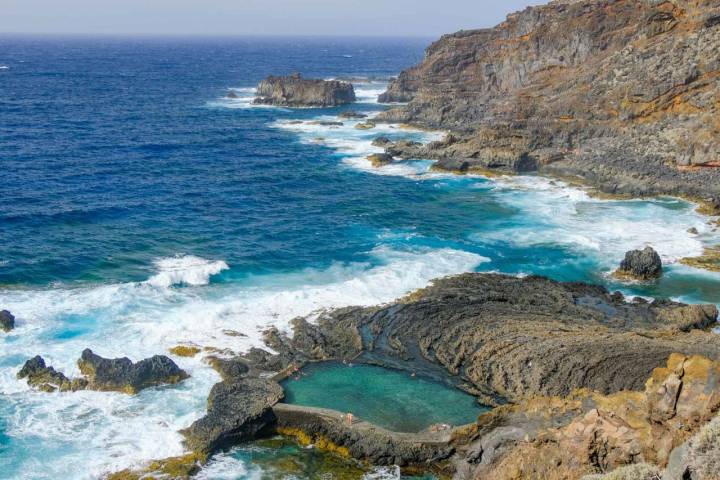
x: 623, y: 94
x: 587, y: 433
x: 504, y: 338
x: 237, y: 410
x: 122, y: 375
x: 295, y: 91
x: 7, y: 321
x: 46, y: 378
x: 103, y: 374
x: 642, y: 264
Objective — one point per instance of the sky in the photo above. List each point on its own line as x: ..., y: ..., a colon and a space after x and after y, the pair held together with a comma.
x: 417, y: 18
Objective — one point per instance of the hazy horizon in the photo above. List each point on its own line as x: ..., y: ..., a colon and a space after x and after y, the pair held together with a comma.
x: 370, y: 18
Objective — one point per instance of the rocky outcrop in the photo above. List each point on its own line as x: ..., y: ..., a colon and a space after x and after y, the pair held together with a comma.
x: 7, y: 321
x: 103, y: 374
x: 295, y: 91
x: 378, y: 160
x: 590, y: 434
x: 236, y: 411
x: 505, y: 338
x: 621, y: 94
x: 642, y: 264
x: 122, y: 375
x: 47, y: 379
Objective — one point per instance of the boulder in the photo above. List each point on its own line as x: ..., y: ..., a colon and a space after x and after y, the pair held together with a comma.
x: 641, y: 264
x: 7, y: 321
x: 380, y: 159
x: 230, y: 369
x: 122, y: 375
x: 236, y: 412
x: 232, y: 94
x: 46, y: 378
x: 295, y: 91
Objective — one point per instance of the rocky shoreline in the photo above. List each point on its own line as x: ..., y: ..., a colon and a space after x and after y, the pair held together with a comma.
x: 618, y: 94
x: 582, y: 380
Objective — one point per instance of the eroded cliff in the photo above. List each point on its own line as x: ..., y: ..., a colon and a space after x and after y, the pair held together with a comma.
x: 621, y: 93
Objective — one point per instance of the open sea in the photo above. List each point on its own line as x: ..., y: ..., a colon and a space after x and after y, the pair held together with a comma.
x: 141, y: 209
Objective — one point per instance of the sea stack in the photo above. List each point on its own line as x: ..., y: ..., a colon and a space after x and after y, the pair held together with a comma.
x: 296, y: 91
x: 641, y: 264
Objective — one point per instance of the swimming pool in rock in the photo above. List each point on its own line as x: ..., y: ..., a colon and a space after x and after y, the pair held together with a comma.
x: 388, y: 398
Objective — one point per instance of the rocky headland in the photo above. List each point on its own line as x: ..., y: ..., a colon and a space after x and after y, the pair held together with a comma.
x: 619, y: 94
x: 583, y: 381
x: 296, y: 91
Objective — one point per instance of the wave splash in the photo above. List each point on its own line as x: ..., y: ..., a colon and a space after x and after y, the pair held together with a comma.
x: 185, y: 270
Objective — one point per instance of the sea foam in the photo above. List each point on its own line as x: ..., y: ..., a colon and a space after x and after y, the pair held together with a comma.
x: 185, y: 270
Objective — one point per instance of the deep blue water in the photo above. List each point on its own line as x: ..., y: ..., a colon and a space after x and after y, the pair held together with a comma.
x: 140, y: 209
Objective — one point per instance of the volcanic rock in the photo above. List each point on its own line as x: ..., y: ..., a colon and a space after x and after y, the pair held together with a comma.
x: 641, y: 264
x: 236, y: 412
x: 295, y: 91
x: 122, y: 375
x: 7, y: 321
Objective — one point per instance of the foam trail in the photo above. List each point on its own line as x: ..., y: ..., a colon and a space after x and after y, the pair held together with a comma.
x: 185, y: 270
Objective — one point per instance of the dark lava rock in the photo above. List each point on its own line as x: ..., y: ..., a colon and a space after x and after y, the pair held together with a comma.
x: 232, y: 94
x: 506, y: 338
x: 7, y: 321
x: 641, y: 264
x: 380, y: 159
x: 295, y: 91
x: 122, y: 375
x: 47, y: 378
x: 236, y: 412
x: 381, y: 142
x: 352, y: 114
x: 230, y: 369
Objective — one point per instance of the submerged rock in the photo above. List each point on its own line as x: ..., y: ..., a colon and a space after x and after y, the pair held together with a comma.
x: 295, y: 91
x: 7, y: 321
x: 352, y: 114
x: 236, y: 412
x: 641, y: 264
x: 231, y: 94
x: 122, y: 375
x: 368, y: 125
x: 380, y: 159
x: 47, y: 378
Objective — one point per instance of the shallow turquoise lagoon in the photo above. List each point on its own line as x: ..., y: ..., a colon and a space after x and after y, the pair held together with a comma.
x: 389, y: 398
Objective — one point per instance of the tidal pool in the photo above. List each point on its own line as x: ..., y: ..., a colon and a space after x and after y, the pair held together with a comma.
x: 389, y: 398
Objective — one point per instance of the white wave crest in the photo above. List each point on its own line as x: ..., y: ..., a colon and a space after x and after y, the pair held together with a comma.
x: 185, y: 270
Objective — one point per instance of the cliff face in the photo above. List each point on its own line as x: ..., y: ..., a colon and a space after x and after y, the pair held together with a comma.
x: 624, y: 93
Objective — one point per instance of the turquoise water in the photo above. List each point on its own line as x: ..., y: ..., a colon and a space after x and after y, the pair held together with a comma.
x: 389, y: 398
x: 142, y: 209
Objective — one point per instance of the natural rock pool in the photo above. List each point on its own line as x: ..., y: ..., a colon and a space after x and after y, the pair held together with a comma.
x: 389, y: 398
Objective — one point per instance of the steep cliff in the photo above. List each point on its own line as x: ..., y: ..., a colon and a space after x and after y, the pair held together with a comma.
x: 622, y: 93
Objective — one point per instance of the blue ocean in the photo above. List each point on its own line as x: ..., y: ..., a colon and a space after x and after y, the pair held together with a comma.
x: 143, y: 209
